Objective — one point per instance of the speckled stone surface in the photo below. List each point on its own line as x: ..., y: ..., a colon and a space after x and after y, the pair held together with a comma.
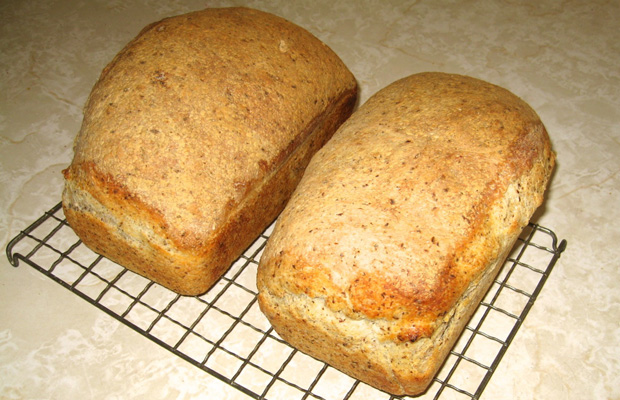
x: 561, y: 57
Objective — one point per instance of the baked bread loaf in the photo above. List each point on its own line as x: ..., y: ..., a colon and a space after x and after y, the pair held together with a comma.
x: 194, y: 137
x: 400, y: 225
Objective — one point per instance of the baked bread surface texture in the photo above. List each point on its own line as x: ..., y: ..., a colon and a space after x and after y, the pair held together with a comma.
x: 194, y: 137
x: 400, y: 224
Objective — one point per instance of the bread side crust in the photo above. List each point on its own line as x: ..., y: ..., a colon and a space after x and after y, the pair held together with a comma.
x: 112, y: 223
x: 361, y: 348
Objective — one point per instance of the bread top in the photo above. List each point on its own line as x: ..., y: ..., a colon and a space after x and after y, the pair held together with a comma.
x: 198, y: 108
x: 397, y: 214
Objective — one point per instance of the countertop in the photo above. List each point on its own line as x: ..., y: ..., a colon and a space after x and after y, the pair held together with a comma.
x: 561, y: 57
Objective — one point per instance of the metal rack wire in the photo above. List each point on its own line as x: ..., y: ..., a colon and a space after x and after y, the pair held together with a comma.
x: 224, y: 333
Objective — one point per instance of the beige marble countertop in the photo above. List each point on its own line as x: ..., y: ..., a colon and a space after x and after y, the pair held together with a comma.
x: 562, y: 57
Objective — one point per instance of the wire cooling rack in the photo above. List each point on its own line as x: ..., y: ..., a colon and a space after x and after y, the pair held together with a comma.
x: 224, y: 333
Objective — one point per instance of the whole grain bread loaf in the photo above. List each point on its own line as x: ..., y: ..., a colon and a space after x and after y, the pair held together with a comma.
x: 400, y: 224
x: 194, y: 137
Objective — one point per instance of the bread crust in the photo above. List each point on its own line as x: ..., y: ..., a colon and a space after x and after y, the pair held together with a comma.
x: 401, y: 223
x: 194, y: 137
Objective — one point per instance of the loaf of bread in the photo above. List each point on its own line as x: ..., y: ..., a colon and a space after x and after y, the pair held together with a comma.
x: 195, y: 136
x: 400, y: 224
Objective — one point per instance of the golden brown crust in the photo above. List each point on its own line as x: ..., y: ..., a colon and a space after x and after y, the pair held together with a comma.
x: 414, y: 201
x: 194, y: 137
